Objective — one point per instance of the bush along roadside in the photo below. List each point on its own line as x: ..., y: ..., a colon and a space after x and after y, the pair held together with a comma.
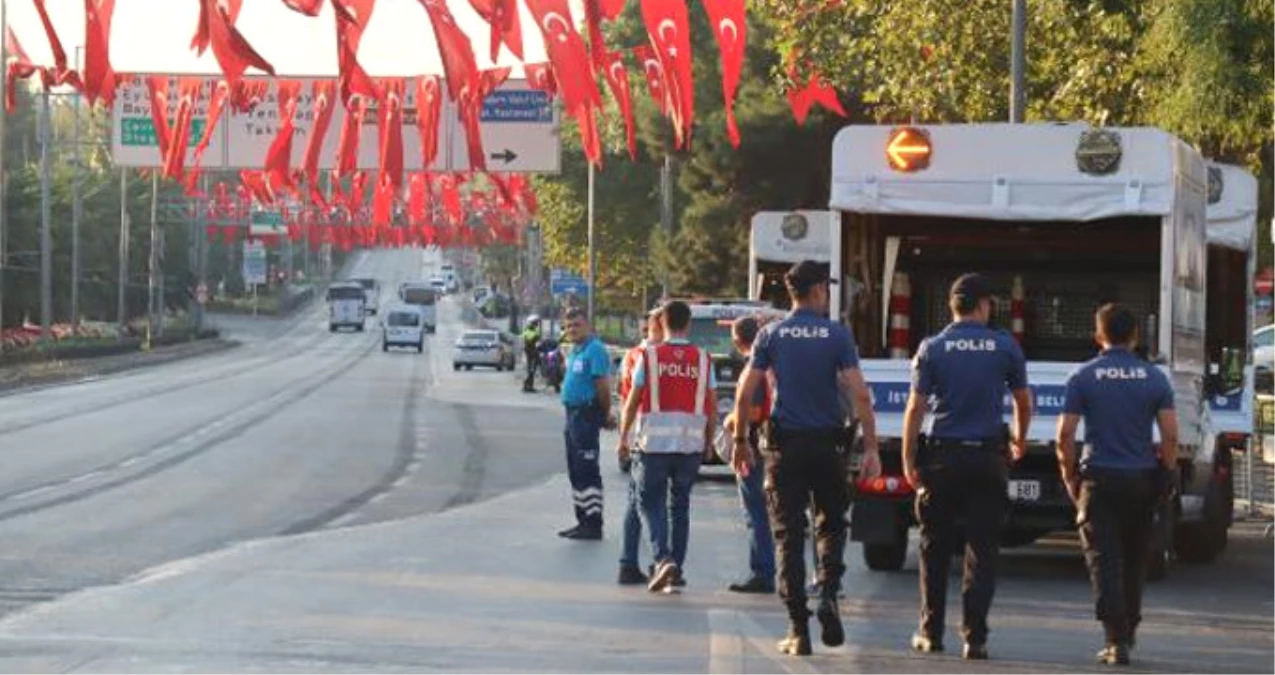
x: 279, y: 303
x: 81, y: 347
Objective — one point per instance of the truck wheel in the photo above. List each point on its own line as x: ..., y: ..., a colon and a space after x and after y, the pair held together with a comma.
x: 889, y: 556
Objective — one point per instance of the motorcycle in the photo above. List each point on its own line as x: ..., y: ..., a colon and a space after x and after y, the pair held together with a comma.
x: 552, y: 368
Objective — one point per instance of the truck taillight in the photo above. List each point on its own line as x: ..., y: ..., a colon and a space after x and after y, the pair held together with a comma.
x: 884, y: 485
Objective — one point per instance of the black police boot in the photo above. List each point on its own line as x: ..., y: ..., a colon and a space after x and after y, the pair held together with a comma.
x: 926, y: 645
x: 584, y: 533
x: 975, y: 651
x: 631, y: 575
x: 753, y: 584
x: 829, y: 614
x: 1114, y: 654
x: 797, y: 642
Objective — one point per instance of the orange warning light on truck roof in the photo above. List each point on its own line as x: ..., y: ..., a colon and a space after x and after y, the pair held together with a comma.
x: 908, y: 149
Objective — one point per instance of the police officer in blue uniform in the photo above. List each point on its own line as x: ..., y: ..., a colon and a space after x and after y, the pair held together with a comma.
x: 586, y: 395
x: 1121, y: 474
x: 813, y: 361
x: 960, y: 469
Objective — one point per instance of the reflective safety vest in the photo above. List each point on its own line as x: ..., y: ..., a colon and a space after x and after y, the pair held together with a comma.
x: 674, y: 412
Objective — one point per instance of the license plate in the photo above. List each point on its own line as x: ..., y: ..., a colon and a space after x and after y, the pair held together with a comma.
x: 1024, y: 490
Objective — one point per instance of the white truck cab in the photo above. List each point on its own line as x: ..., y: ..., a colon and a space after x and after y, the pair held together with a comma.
x: 347, y: 304
x: 1063, y: 217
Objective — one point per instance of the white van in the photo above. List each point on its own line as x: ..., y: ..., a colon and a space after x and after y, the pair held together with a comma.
x: 371, y: 291
x: 403, y: 326
x: 421, y: 295
x: 346, y: 305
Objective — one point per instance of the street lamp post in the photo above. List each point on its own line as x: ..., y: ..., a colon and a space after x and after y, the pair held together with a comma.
x: 46, y: 235
x: 1018, y: 63
x: 77, y: 208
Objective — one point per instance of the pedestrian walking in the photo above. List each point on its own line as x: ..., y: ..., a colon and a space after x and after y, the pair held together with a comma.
x: 1122, y: 475
x: 810, y: 359
x: 960, y: 468
x: 630, y: 567
x: 761, y: 546
x: 674, y: 397
x: 586, y: 395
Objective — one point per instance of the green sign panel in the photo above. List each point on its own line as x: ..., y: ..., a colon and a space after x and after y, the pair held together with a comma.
x: 140, y: 132
x: 262, y: 223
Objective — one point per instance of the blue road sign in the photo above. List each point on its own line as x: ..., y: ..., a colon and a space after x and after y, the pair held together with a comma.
x: 517, y: 105
x: 562, y: 282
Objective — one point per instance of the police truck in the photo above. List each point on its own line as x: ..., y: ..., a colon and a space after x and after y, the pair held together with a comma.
x: 1064, y: 217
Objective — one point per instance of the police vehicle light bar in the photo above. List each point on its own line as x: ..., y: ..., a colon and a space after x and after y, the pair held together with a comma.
x: 908, y: 149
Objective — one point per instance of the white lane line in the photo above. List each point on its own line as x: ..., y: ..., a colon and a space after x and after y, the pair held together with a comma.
x: 412, y: 467
x: 83, y: 477
x: 725, y: 642
x: 129, y: 462
x: 344, y: 520
x: 378, y: 498
x: 34, y: 492
x: 399, y: 482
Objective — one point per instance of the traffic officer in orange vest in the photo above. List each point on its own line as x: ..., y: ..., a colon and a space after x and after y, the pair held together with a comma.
x: 673, y: 394
x: 630, y: 570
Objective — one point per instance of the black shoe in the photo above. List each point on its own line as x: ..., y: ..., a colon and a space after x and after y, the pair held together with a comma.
x: 630, y: 575
x: 585, y: 534
x: 797, y: 642
x: 975, y: 651
x: 753, y: 584
x: 829, y: 615
x: 926, y: 645
x: 569, y: 532
x: 1114, y: 655
x: 679, y: 579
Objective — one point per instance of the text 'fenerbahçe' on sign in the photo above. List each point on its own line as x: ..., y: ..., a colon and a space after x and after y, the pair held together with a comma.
x: 908, y: 149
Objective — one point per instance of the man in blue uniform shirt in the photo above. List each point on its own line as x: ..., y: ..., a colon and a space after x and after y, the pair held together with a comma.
x: 586, y: 395
x: 960, y: 376
x: 1121, y: 474
x: 812, y: 362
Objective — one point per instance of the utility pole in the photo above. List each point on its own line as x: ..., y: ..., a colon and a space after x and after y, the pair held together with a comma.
x: 593, y: 254
x: 666, y: 214
x: 77, y: 208
x: 4, y: 220
x: 121, y: 308
x: 152, y: 277
x: 46, y: 234
x: 1018, y: 63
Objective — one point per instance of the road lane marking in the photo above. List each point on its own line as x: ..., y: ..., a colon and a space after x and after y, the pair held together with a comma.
x: 725, y: 642
x: 35, y: 492
x: 757, y: 636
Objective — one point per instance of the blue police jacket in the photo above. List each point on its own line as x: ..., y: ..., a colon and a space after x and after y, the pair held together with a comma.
x: 806, y: 352
x: 1119, y: 396
x: 964, y: 372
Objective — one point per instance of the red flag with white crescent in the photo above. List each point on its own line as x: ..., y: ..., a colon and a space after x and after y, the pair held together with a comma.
x: 157, y: 85
x: 540, y: 77
x: 816, y: 90
x: 653, y: 70
x: 179, y: 136
x: 279, y: 155
x: 429, y: 107
x: 668, y: 27
x: 17, y: 66
x: 730, y: 25
x: 347, y: 150
x: 233, y: 52
x: 322, y: 92
x: 352, y: 17
x: 502, y: 16
x: 62, y: 73
x: 390, y: 125
x: 617, y: 78
x: 455, y: 49
x: 567, y: 53
x: 99, y: 78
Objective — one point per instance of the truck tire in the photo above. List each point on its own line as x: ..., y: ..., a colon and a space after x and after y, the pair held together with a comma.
x: 888, y: 556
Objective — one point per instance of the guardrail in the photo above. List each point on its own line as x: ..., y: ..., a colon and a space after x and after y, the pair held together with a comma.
x: 1254, y: 469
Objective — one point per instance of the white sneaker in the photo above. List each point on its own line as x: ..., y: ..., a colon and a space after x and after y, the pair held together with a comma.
x: 664, y: 575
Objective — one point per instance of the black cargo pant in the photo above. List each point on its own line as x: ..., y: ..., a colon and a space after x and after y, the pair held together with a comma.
x: 801, y: 466
x: 1115, y: 516
x: 961, y: 484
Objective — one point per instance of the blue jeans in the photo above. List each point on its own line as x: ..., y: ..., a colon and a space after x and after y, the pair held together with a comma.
x: 584, y: 425
x: 761, y: 546
x: 664, y: 496
x: 632, y: 527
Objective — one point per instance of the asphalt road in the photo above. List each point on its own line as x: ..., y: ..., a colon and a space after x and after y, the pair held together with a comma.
x: 307, y: 503
x: 296, y: 430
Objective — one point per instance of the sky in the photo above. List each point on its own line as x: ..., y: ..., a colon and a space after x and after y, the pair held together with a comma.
x: 153, y: 36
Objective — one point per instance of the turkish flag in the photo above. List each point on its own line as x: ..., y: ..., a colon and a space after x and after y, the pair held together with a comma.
x: 382, y: 203
x: 322, y: 92
x: 63, y: 73
x: 279, y: 156
x: 451, y: 198
x: 232, y: 51
x: 202, y: 38
x: 730, y: 25
x: 593, y: 24
x: 618, y: 81
x: 390, y: 123
x: 347, y: 151
x: 540, y: 77
x: 418, y: 198
x: 18, y: 66
x: 358, y: 194
x: 158, y: 87
x: 352, y: 17
x: 815, y: 91
x: 668, y: 27
x: 654, y: 72
x: 502, y: 16
x: 455, y: 49
x: 567, y: 53
x: 245, y: 95
x: 99, y: 79
x: 257, y: 186
x: 216, y: 104
x: 471, y: 113
x: 179, y: 139
x: 306, y: 7
x: 429, y: 106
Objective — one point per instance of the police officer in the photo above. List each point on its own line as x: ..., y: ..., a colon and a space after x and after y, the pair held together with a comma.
x: 811, y: 359
x: 630, y: 570
x: 1121, y: 475
x: 531, y: 350
x: 586, y: 395
x: 761, y: 546
x: 961, y: 375
x: 674, y: 394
